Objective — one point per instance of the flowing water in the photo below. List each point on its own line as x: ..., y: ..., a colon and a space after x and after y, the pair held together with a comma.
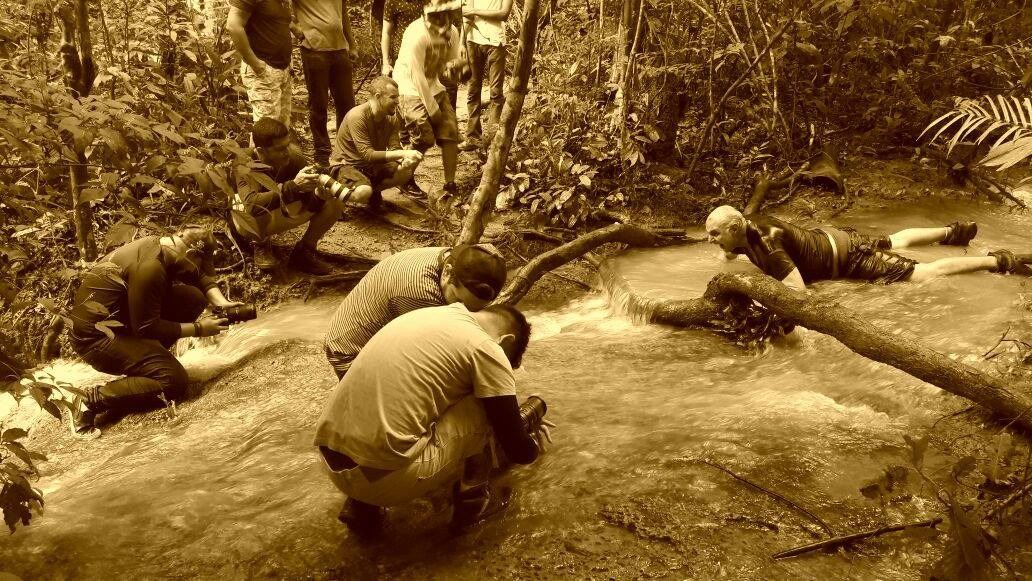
x: 231, y: 488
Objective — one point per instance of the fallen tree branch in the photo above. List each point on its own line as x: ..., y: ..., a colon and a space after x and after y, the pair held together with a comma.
x: 847, y: 539
x: 849, y: 328
x: 765, y: 185
x: 1007, y: 502
x: 767, y: 491
x: 518, y: 286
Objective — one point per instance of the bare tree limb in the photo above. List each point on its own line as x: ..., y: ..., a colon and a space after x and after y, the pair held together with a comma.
x: 846, y: 539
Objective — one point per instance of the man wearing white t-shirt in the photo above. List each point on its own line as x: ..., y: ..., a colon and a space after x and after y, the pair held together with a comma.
x: 419, y: 407
x: 485, y: 46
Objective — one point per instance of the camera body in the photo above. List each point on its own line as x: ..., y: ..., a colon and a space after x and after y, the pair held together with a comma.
x: 532, y: 413
x: 236, y: 313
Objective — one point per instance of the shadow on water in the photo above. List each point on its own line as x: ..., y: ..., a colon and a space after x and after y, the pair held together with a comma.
x: 231, y: 487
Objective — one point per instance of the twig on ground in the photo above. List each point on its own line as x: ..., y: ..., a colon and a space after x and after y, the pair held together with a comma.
x: 952, y: 414
x: 846, y: 539
x: 769, y: 492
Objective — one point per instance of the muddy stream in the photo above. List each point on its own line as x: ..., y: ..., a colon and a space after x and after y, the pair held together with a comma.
x: 231, y: 487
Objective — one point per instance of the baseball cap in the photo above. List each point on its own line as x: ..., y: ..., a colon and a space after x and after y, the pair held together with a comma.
x: 480, y: 268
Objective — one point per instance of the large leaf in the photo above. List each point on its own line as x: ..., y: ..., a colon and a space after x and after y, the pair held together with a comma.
x: 1008, y: 154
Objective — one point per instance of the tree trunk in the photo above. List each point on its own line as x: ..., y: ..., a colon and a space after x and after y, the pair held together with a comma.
x: 80, y: 73
x: 483, y: 200
x: 848, y: 328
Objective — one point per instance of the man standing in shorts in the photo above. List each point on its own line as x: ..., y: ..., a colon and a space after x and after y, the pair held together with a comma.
x: 799, y: 256
x: 367, y: 148
x: 260, y: 30
x: 427, y: 46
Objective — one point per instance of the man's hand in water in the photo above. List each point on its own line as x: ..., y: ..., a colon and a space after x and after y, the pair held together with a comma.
x: 543, y: 434
x: 211, y: 326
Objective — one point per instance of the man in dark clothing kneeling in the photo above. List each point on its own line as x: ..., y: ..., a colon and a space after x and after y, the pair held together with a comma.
x: 419, y: 407
x: 132, y: 307
x: 259, y: 212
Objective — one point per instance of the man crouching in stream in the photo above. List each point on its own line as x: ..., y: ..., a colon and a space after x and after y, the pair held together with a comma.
x: 419, y: 409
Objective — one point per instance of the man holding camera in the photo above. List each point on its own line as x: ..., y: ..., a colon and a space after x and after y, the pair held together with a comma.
x: 412, y: 279
x: 259, y: 211
x: 367, y: 149
x: 427, y: 48
x: 420, y: 408
x: 132, y: 307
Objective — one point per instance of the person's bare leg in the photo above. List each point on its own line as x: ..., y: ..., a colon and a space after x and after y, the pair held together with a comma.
x: 401, y: 176
x: 918, y: 237
x: 954, y: 265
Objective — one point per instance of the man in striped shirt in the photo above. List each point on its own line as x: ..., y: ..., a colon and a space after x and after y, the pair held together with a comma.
x: 410, y: 280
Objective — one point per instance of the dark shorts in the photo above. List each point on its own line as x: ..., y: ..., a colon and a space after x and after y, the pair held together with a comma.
x: 425, y: 132
x: 372, y: 176
x: 870, y: 259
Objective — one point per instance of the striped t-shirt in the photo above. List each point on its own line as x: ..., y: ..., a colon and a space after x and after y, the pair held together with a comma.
x: 403, y: 282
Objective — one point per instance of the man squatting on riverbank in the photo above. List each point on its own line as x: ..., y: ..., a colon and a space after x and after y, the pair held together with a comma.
x: 132, y: 307
x: 410, y: 280
x: 367, y: 150
x: 419, y: 409
x: 800, y: 256
x: 261, y: 213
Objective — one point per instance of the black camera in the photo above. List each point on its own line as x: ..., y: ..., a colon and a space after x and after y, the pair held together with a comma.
x: 532, y: 413
x: 236, y: 313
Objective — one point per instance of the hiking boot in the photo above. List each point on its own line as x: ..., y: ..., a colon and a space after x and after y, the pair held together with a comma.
x: 960, y: 234
x: 471, y: 144
x: 475, y: 505
x: 361, y: 518
x: 264, y: 259
x: 86, y: 408
x: 305, y: 260
x: 411, y: 188
x: 1008, y: 262
x: 448, y: 191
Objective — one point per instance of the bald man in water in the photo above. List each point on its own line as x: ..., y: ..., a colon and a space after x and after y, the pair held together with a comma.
x: 799, y: 256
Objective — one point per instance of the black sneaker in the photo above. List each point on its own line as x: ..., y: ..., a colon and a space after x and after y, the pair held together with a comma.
x: 264, y: 258
x: 84, y: 416
x: 1008, y: 262
x: 960, y: 234
x: 476, y: 505
x: 305, y: 260
x: 361, y: 518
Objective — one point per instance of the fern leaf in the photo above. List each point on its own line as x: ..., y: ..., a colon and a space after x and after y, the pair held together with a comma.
x: 1008, y: 154
x: 1021, y: 112
x: 970, y: 125
x: 1005, y: 110
x: 934, y: 123
x: 996, y: 125
x: 1006, y: 134
x: 958, y: 117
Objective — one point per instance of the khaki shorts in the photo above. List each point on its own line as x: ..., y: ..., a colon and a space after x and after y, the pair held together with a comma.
x: 461, y: 432
x: 426, y: 133
x: 269, y: 96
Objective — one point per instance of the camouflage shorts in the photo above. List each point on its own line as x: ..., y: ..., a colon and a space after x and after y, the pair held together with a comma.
x: 269, y: 95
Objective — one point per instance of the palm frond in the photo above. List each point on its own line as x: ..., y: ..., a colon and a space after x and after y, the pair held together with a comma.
x: 1008, y: 119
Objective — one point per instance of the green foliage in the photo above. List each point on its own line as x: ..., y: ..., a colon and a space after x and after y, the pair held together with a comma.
x: 1008, y: 120
x: 19, y: 499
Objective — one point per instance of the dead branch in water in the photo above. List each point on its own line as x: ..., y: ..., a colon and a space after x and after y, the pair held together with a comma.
x: 767, y: 491
x: 847, y: 539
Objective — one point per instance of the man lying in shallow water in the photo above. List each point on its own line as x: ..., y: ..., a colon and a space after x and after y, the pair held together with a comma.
x: 800, y: 256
